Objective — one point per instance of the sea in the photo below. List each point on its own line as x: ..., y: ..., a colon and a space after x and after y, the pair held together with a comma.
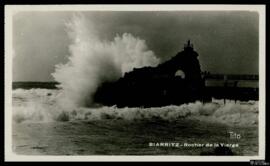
x: 40, y: 126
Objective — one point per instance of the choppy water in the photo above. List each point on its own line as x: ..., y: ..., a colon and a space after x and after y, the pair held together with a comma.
x: 41, y: 105
x: 41, y: 126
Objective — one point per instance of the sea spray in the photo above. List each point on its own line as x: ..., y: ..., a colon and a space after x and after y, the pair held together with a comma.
x: 36, y: 105
x: 93, y: 61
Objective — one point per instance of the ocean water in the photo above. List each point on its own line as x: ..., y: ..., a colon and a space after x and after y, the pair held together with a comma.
x: 42, y: 126
x: 56, y: 122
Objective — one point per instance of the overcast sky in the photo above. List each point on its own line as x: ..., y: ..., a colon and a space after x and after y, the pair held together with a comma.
x: 227, y: 42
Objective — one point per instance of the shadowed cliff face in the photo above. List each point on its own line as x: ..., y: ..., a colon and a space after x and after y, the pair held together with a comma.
x: 176, y: 81
x: 185, y: 61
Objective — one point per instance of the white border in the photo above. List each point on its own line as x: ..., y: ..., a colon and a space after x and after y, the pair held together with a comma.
x: 10, y: 10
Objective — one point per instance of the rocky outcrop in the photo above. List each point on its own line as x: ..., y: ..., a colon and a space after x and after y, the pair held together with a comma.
x: 175, y: 81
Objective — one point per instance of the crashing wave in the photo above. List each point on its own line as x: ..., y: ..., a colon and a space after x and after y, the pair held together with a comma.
x: 41, y: 105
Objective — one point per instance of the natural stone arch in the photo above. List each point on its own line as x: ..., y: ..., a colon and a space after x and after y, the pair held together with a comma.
x: 180, y: 73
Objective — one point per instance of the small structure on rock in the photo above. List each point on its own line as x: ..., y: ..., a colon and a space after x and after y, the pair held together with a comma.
x: 175, y: 81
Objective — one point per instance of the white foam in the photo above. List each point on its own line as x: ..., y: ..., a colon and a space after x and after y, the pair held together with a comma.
x: 93, y: 61
x: 37, y: 105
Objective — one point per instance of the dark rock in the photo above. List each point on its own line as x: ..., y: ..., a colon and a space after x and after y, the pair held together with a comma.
x: 175, y: 81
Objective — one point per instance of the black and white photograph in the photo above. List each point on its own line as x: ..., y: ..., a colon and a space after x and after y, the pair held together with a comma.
x: 135, y: 82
